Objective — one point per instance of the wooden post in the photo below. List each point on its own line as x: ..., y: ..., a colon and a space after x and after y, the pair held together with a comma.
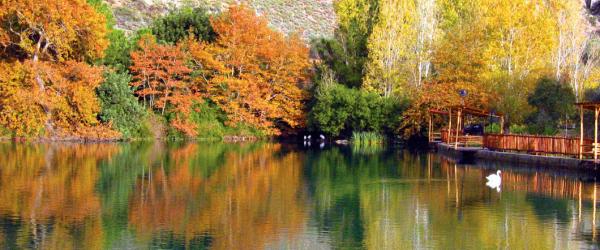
x: 501, y: 125
x: 458, y: 119
x: 449, y: 126
x: 430, y: 127
x: 580, y: 203
x: 580, y: 132
x: 596, y: 134
x: 594, y: 213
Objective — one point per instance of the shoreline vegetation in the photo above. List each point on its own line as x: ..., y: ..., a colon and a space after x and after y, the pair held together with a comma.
x: 229, y: 76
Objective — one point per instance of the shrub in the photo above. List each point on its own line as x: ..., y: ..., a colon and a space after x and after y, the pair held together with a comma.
x: 180, y: 24
x: 332, y: 109
x: 210, y: 123
x: 367, y: 138
x: 120, y: 107
x: 338, y: 109
x: 518, y: 129
x: 493, y: 128
x: 553, y: 102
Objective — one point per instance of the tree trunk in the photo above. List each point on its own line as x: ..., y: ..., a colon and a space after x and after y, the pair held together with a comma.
x: 42, y: 88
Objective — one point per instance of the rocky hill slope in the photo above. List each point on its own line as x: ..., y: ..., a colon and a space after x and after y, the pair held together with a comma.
x: 314, y: 18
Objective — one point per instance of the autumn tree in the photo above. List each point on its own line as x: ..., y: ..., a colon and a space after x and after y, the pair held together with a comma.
x: 389, y: 47
x: 161, y: 80
x: 51, y: 30
x: 18, y: 112
x: 254, y: 74
x: 573, y: 42
x: 401, y: 46
x: 46, y: 43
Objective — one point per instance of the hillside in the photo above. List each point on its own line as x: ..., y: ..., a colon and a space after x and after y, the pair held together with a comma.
x: 314, y: 18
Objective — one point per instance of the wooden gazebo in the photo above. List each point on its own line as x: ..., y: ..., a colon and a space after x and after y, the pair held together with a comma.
x: 593, y: 106
x: 460, y: 111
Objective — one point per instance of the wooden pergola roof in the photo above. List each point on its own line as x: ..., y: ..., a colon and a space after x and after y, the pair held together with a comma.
x: 438, y: 112
x: 588, y: 105
x: 475, y: 111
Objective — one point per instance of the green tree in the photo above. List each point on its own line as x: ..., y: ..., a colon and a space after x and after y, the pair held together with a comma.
x: 553, y: 102
x: 333, y: 108
x: 121, y: 107
x: 334, y: 54
x: 340, y: 110
x: 117, y: 55
x: 347, y: 53
x: 180, y: 24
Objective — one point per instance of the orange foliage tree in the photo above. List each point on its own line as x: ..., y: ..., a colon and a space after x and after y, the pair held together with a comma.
x: 256, y: 75
x: 161, y: 80
x: 45, y: 84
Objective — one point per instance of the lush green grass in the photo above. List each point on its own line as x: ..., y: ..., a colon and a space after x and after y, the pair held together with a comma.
x: 367, y: 138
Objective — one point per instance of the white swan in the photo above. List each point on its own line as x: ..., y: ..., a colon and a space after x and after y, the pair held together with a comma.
x: 494, y: 181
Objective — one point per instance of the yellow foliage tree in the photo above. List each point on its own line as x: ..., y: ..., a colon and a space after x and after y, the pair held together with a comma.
x: 390, y: 47
x: 43, y: 43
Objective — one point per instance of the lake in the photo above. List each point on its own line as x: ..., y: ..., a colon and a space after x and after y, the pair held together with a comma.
x: 281, y: 196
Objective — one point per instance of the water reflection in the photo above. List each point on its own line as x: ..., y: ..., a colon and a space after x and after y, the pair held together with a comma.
x: 263, y: 195
x: 47, y: 195
x: 254, y: 193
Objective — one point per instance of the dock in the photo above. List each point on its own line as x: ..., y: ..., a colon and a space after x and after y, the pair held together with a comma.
x: 466, y: 155
x: 466, y: 144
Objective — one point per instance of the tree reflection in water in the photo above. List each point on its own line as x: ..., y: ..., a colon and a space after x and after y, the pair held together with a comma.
x: 265, y: 195
x: 244, y: 203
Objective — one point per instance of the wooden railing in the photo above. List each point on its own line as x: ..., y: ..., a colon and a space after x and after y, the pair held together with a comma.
x: 435, y: 137
x: 463, y: 140
x: 444, y: 135
x: 536, y: 144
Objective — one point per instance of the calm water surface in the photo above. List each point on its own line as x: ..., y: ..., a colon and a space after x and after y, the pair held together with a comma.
x: 273, y: 196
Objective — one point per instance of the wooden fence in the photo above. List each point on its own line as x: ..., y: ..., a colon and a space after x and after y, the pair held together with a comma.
x: 535, y: 144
